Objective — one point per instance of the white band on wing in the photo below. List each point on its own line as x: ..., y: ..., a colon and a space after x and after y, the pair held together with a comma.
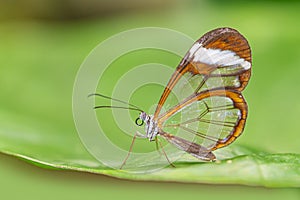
x: 221, y: 58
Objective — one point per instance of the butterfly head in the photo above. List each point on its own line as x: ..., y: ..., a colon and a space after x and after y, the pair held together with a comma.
x: 151, y: 127
x: 141, y: 119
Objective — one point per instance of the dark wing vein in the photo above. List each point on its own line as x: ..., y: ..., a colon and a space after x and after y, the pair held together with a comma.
x: 199, y: 134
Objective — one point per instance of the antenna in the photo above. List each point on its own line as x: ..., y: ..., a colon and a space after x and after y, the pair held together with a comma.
x: 133, y: 107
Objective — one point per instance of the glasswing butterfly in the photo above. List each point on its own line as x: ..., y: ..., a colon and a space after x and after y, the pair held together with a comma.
x: 217, y: 68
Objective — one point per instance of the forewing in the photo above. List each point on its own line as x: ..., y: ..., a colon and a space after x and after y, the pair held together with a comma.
x: 221, y: 59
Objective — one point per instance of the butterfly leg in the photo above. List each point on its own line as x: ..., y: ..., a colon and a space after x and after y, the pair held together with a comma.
x: 165, y: 154
x: 156, y: 145
x: 137, y: 134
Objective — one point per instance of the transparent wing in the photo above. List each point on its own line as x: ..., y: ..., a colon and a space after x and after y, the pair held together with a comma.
x: 212, y: 119
x: 219, y: 60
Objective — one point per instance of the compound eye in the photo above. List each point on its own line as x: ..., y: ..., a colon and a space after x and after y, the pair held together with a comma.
x: 139, y: 122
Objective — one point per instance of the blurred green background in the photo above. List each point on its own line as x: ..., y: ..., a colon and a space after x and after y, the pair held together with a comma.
x: 43, y: 43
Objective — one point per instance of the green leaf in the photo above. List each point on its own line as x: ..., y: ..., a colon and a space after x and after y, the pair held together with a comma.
x: 238, y: 165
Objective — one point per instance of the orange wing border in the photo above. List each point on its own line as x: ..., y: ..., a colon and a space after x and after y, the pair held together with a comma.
x: 238, y: 103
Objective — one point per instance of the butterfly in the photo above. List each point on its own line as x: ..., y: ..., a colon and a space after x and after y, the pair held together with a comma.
x: 216, y: 69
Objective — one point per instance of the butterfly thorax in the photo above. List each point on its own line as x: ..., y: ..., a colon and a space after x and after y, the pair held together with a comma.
x: 151, y: 127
